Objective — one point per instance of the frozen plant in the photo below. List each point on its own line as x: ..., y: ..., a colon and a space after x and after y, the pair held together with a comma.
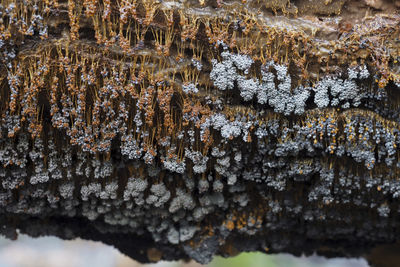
x: 248, y: 87
x: 186, y: 232
x: 92, y: 188
x: 66, y: 189
x: 159, y: 196
x: 130, y: 147
x: 110, y: 191
x: 182, y: 200
x: 242, y: 62
x: 223, y: 73
x: 383, y: 210
x: 134, y: 187
x: 358, y: 72
x: 218, y: 120
x: 281, y: 97
x: 190, y: 88
x: 332, y: 91
x: 173, y: 235
x: 218, y: 186
x: 102, y: 169
x: 199, y: 161
x: 173, y: 164
x: 197, y: 64
x: 215, y: 199
x: 203, y: 185
x: 231, y: 129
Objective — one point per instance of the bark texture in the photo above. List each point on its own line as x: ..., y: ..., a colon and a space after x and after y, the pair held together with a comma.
x: 186, y: 129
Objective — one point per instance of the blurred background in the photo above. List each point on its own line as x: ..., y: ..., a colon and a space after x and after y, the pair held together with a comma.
x: 54, y: 252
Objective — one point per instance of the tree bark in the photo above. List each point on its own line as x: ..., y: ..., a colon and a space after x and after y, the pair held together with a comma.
x: 184, y: 130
